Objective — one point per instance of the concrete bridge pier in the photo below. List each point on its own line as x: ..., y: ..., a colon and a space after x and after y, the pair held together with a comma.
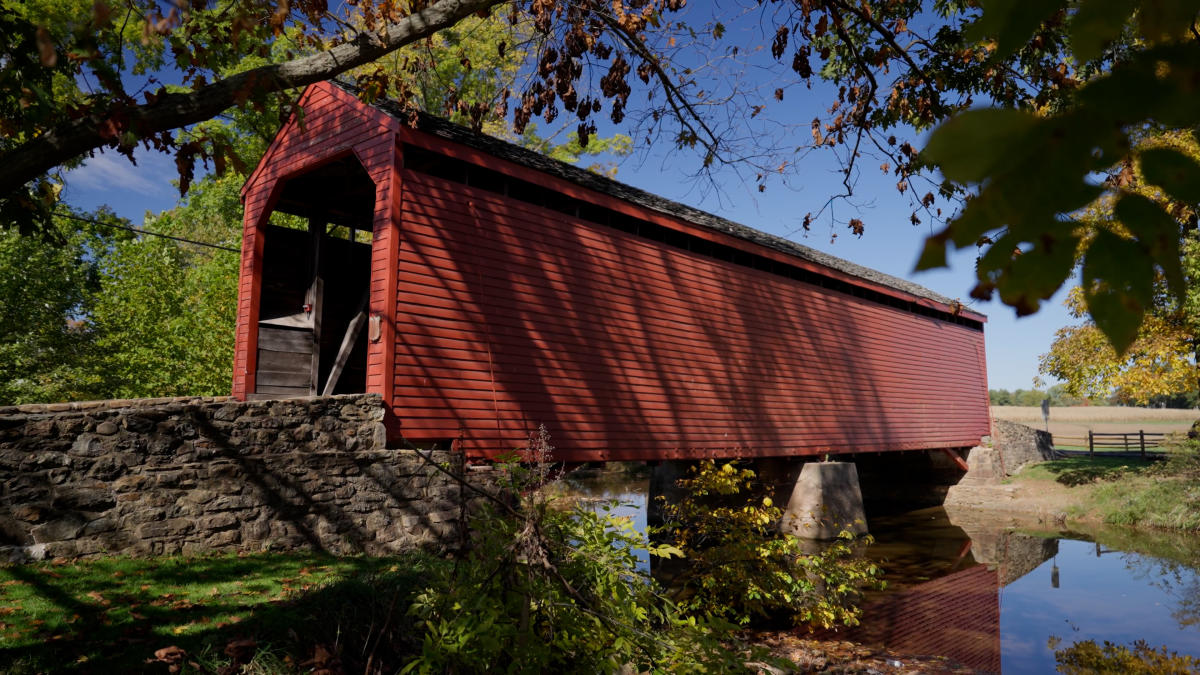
x: 825, y: 500
x: 663, y: 489
x: 822, y: 498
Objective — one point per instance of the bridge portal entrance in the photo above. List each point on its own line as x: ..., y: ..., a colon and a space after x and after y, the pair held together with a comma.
x: 312, y: 334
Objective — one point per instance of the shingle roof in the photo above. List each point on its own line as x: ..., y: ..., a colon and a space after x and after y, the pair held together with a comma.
x: 445, y: 129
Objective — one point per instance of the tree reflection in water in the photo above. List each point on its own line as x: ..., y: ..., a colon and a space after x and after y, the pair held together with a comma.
x: 1086, y: 656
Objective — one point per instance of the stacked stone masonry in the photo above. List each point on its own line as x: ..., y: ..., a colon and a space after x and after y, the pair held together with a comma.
x: 168, y: 476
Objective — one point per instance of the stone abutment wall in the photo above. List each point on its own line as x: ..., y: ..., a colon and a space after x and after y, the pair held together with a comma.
x: 189, y: 475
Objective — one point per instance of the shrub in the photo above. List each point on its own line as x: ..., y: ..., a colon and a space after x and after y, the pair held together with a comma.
x: 549, y: 590
x: 738, y: 567
x: 546, y: 589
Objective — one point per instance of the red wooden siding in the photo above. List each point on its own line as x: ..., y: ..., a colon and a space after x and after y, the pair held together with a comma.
x: 510, y: 316
x: 499, y: 315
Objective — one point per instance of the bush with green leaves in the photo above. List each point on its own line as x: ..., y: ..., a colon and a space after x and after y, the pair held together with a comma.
x: 547, y: 589
x: 737, y: 566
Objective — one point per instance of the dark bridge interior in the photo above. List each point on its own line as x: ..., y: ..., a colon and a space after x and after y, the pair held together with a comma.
x: 315, y: 284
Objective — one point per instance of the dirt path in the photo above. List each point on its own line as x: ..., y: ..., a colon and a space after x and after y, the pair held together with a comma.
x: 1035, y: 502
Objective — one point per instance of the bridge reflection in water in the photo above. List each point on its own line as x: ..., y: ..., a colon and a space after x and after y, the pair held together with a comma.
x: 957, y: 616
x: 997, y: 599
x: 944, y: 583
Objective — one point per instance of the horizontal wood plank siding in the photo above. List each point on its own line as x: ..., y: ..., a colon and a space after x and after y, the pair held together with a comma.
x: 284, y: 359
x: 509, y: 316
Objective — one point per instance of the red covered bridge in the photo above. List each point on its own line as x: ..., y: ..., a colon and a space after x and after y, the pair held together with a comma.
x: 483, y: 289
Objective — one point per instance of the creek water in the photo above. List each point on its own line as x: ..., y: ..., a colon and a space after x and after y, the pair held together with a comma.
x: 995, y: 597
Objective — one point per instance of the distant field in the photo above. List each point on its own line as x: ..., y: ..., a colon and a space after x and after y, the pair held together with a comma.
x: 1075, y: 422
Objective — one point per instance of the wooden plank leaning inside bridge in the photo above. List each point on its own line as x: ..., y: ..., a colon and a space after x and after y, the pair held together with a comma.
x: 484, y: 290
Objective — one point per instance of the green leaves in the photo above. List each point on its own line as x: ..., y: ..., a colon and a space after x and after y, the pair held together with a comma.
x: 1029, y: 247
x: 1033, y: 174
x: 1097, y: 23
x: 1011, y: 22
x: 1174, y: 172
x: 1157, y: 233
x: 1026, y: 273
x: 557, y: 590
x: 1118, y: 282
x: 1165, y: 19
x: 739, y: 568
x: 976, y: 144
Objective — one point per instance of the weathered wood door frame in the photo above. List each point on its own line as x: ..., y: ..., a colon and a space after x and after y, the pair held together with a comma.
x: 314, y: 298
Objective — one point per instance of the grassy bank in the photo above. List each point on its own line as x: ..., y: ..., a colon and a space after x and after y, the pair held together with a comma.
x: 268, y: 614
x: 1160, y: 495
x: 114, y: 614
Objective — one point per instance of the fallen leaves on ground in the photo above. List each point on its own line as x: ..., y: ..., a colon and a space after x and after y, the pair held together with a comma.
x: 240, y: 652
x: 95, y: 595
x: 817, y: 656
x: 172, y: 656
x: 324, y: 661
x: 229, y: 621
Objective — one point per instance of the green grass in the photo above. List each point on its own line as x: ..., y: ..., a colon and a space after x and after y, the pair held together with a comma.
x: 1132, y: 492
x: 1072, y: 471
x: 1181, y: 548
x: 1172, y: 504
x: 112, y: 614
x: 1164, y: 496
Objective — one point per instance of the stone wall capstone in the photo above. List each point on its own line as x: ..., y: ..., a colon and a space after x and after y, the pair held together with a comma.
x: 164, y: 476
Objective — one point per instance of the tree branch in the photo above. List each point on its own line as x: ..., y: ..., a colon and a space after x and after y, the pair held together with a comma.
x: 171, y: 111
x: 680, y: 105
x: 863, y: 104
x: 890, y: 38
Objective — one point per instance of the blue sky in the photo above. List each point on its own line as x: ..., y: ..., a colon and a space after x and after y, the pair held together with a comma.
x: 891, y: 244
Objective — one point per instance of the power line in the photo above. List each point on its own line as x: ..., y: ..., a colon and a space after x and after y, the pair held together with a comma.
x: 148, y: 232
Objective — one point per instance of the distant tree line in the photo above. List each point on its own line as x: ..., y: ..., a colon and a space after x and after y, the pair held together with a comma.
x: 1057, y: 394
x: 1060, y: 397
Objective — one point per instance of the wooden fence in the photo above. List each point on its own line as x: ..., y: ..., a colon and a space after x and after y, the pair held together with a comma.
x: 1146, y: 444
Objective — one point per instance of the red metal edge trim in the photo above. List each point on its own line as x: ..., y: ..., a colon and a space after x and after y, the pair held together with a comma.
x: 268, y: 157
x: 250, y: 358
x: 956, y: 458
x: 392, y: 279
x: 742, y: 452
